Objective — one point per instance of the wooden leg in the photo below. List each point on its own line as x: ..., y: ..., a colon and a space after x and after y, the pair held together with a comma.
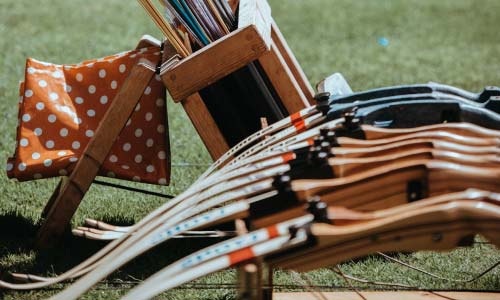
x: 205, y: 125
x: 267, y: 275
x: 54, y: 196
x: 248, y: 282
x: 63, y: 205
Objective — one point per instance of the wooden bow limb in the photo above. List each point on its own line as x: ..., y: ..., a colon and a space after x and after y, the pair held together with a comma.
x: 162, y: 233
x: 440, y: 227
x: 442, y: 135
x: 240, y: 196
x: 139, y: 243
x: 186, y: 195
x: 306, y: 123
x: 347, y: 152
x: 93, y: 235
x: 387, y: 186
x: 105, y: 226
x: 195, y: 266
x: 404, y: 141
x: 373, y: 137
x: 342, y: 216
x: 96, y: 234
x: 157, y: 213
x: 339, y: 215
x: 408, y: 169
x: 236, y: 244
x: 152, y: 216
x: 345, y: 167
x: 463, y: 129
x: 121, y: 257
x: 341, y: 168
x: 274, y: 158
x: 222, y: 256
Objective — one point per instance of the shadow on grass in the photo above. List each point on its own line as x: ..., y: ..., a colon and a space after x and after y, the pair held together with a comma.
x: 16, y: 251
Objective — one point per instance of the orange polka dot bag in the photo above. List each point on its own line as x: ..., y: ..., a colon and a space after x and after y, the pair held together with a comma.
x: 60, y: 108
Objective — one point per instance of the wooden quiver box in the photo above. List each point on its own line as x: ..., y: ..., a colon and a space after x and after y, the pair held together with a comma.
x: 257, y: 40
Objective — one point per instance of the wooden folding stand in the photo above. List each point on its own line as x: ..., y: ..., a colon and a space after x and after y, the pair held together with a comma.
x: 70, y: 191
x: 257, y: 38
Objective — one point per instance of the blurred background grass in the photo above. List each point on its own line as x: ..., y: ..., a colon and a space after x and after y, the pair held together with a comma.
x: 373, y: 43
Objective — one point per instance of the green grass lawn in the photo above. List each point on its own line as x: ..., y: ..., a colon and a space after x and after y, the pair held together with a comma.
x: 454, y: 41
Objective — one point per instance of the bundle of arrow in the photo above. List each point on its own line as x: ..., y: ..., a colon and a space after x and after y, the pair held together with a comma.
x: 192, y: 27
x: 401, y: 168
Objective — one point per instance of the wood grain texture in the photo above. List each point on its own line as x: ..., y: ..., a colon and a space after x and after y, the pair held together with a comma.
x: 64, y: 206
x: 257, y: 13
x: 214, y: 62
x: 292, y: 63
x: 205, y: 125
x: 413, y: 230
x: 53, y: 197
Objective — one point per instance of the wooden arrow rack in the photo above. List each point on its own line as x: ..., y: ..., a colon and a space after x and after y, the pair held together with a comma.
x: 257, y: 38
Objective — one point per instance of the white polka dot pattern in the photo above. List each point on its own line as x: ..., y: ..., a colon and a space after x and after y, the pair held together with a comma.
x: 66, y: 105
x: 63, y: 132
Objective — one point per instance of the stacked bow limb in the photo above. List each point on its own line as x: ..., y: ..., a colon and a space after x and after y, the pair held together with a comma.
x: 417, y: 169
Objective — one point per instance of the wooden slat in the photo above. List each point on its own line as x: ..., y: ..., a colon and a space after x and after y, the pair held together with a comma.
x: 256, y: 13
x: 283, y: 80
x: 399, y: 295
x: 53, y: 197
x: 292, y: 63
x: 71, y: 194
x: 205, y: 125
x: 214, y: 62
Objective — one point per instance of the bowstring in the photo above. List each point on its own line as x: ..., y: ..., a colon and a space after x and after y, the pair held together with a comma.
x: 433, y: 275
x: 306, y: 283
x: 337, y: 269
